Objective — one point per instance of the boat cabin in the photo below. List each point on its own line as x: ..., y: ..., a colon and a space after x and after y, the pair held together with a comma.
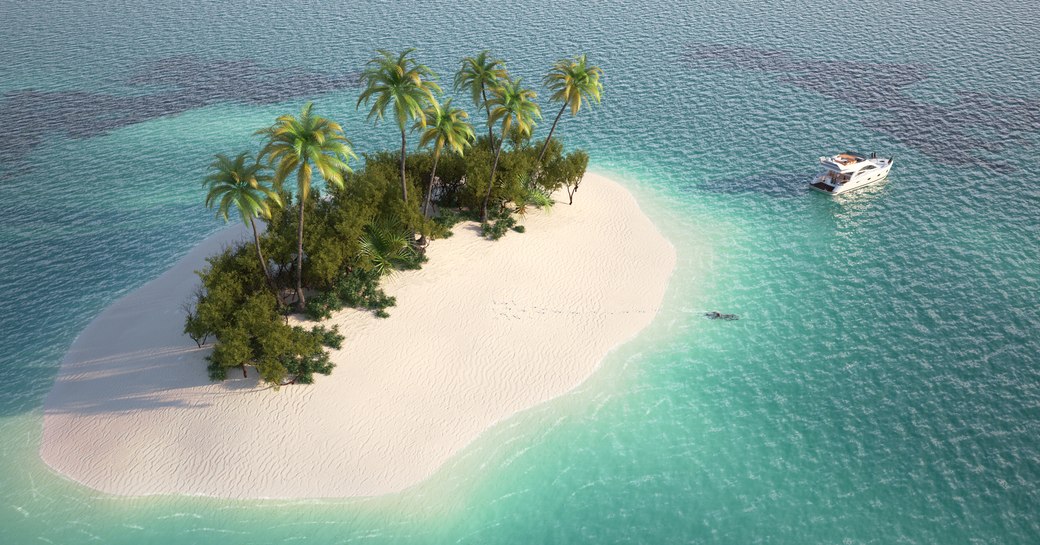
x: 843, y: 162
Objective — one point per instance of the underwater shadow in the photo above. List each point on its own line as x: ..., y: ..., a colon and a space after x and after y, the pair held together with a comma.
x: 184, y: 83
x: 948, y: 133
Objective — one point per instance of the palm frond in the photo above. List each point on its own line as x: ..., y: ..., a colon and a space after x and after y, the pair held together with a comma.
x: 398, y: 82
x: 385, y: 246
x: 445, y: 125
x: 573, y: 81
x: 239, y: 183
x: 513, y: 104
x: 478, y: 74
x: 302, y: 143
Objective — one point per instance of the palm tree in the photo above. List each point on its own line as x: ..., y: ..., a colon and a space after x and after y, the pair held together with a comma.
x: 515, y: 107
x: 445, y: 126
x: 302, y: 144
x: 404, y: 83
x: 571, y: 80
x: 479, y: 75
x: 385, y: 247
x: 532, y: 196
x: 242, y: 182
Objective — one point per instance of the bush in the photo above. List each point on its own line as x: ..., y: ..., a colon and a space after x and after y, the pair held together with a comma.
x: 498, y: 229
x: 243, y: 315
x: 387, y: 246
x: 444, y: 222
x: 360, y: 289
x: 322, y: 305
x: 451, y: 178
x: 354, y: 235
x: 304, y: 356
x: 330, y: 338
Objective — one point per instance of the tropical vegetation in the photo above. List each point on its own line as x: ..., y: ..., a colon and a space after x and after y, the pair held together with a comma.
x: 404, y: 85
x: 366, y: 223
x: 571, y: 81
x: 477, y: 75
x: 301, y: 144
x: 242, y: 183
x: 513, y: 106
x: 443, y: 126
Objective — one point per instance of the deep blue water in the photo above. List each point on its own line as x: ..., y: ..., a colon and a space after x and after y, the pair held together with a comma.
x: 881, y: 386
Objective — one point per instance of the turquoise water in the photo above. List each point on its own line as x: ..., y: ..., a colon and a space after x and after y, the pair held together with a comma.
x: 882, y: 386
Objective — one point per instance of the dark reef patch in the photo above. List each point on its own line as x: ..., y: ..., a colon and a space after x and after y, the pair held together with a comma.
x: 184, y: 83
x: 971, y: 130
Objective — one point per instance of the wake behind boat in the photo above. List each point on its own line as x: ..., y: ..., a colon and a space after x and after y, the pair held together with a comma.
x: 850, y: 171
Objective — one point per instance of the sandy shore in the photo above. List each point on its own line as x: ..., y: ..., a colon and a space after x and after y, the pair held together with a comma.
x: 483, y: 331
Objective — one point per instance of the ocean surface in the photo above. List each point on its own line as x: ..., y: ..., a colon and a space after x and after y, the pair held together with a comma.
x: 881, y: 387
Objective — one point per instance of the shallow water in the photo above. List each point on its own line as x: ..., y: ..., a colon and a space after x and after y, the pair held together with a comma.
x: 880, y: 387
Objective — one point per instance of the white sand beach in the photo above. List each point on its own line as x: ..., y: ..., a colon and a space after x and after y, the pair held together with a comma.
x: 485, y: 330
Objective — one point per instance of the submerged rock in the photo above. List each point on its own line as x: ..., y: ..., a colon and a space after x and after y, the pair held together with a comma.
x: 719, y: 316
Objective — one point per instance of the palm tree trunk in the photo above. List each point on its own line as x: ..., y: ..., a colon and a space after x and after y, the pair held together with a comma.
x: 491, y: 183
x: 429, y: 186
x: 545, y: 146
x: 404, y: 184
x: 263, y: 262
x: 300, y: 302
x: 487, y: 109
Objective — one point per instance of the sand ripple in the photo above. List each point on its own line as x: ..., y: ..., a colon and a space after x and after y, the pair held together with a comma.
x: 483, y: 331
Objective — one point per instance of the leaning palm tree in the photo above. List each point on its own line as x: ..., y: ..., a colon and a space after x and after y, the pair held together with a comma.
x: 405, y: 84
x: 301, y: 144
x: 242, y: 182
x: 445, y: 127
x: 479, y: 75
x: 571, y: 81
x: 514, y: 106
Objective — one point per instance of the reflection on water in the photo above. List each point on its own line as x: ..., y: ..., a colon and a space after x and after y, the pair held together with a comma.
x: 852, y: 205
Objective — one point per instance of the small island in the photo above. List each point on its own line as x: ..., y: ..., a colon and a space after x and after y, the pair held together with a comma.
x: 349, y: 341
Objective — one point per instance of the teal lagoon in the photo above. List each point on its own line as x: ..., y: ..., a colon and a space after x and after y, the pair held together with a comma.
x: 882, y: 386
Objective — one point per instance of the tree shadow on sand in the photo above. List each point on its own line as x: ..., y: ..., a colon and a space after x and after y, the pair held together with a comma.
x: 143, y: 380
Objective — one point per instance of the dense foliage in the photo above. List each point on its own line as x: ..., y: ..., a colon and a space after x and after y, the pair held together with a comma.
x: 244, y: 317
x: 376, y: 220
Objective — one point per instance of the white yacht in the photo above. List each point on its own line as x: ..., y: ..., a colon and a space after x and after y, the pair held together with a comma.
x: 850, y: 171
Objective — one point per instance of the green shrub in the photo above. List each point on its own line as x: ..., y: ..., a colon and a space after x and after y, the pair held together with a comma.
x: 498, y: 229
x: 243, y: 315
x: 359, y: 288
x: 330, y: 338
x: 322, y: 305
x: 303, y: 356
x: 387, y: 246
x: 354, y: 236
x: 445, y: 221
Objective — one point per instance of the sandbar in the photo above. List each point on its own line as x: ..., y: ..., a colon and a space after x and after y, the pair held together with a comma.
x: 485, y: 330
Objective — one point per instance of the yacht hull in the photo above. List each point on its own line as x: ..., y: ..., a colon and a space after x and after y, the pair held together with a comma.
x: 863, y: 179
